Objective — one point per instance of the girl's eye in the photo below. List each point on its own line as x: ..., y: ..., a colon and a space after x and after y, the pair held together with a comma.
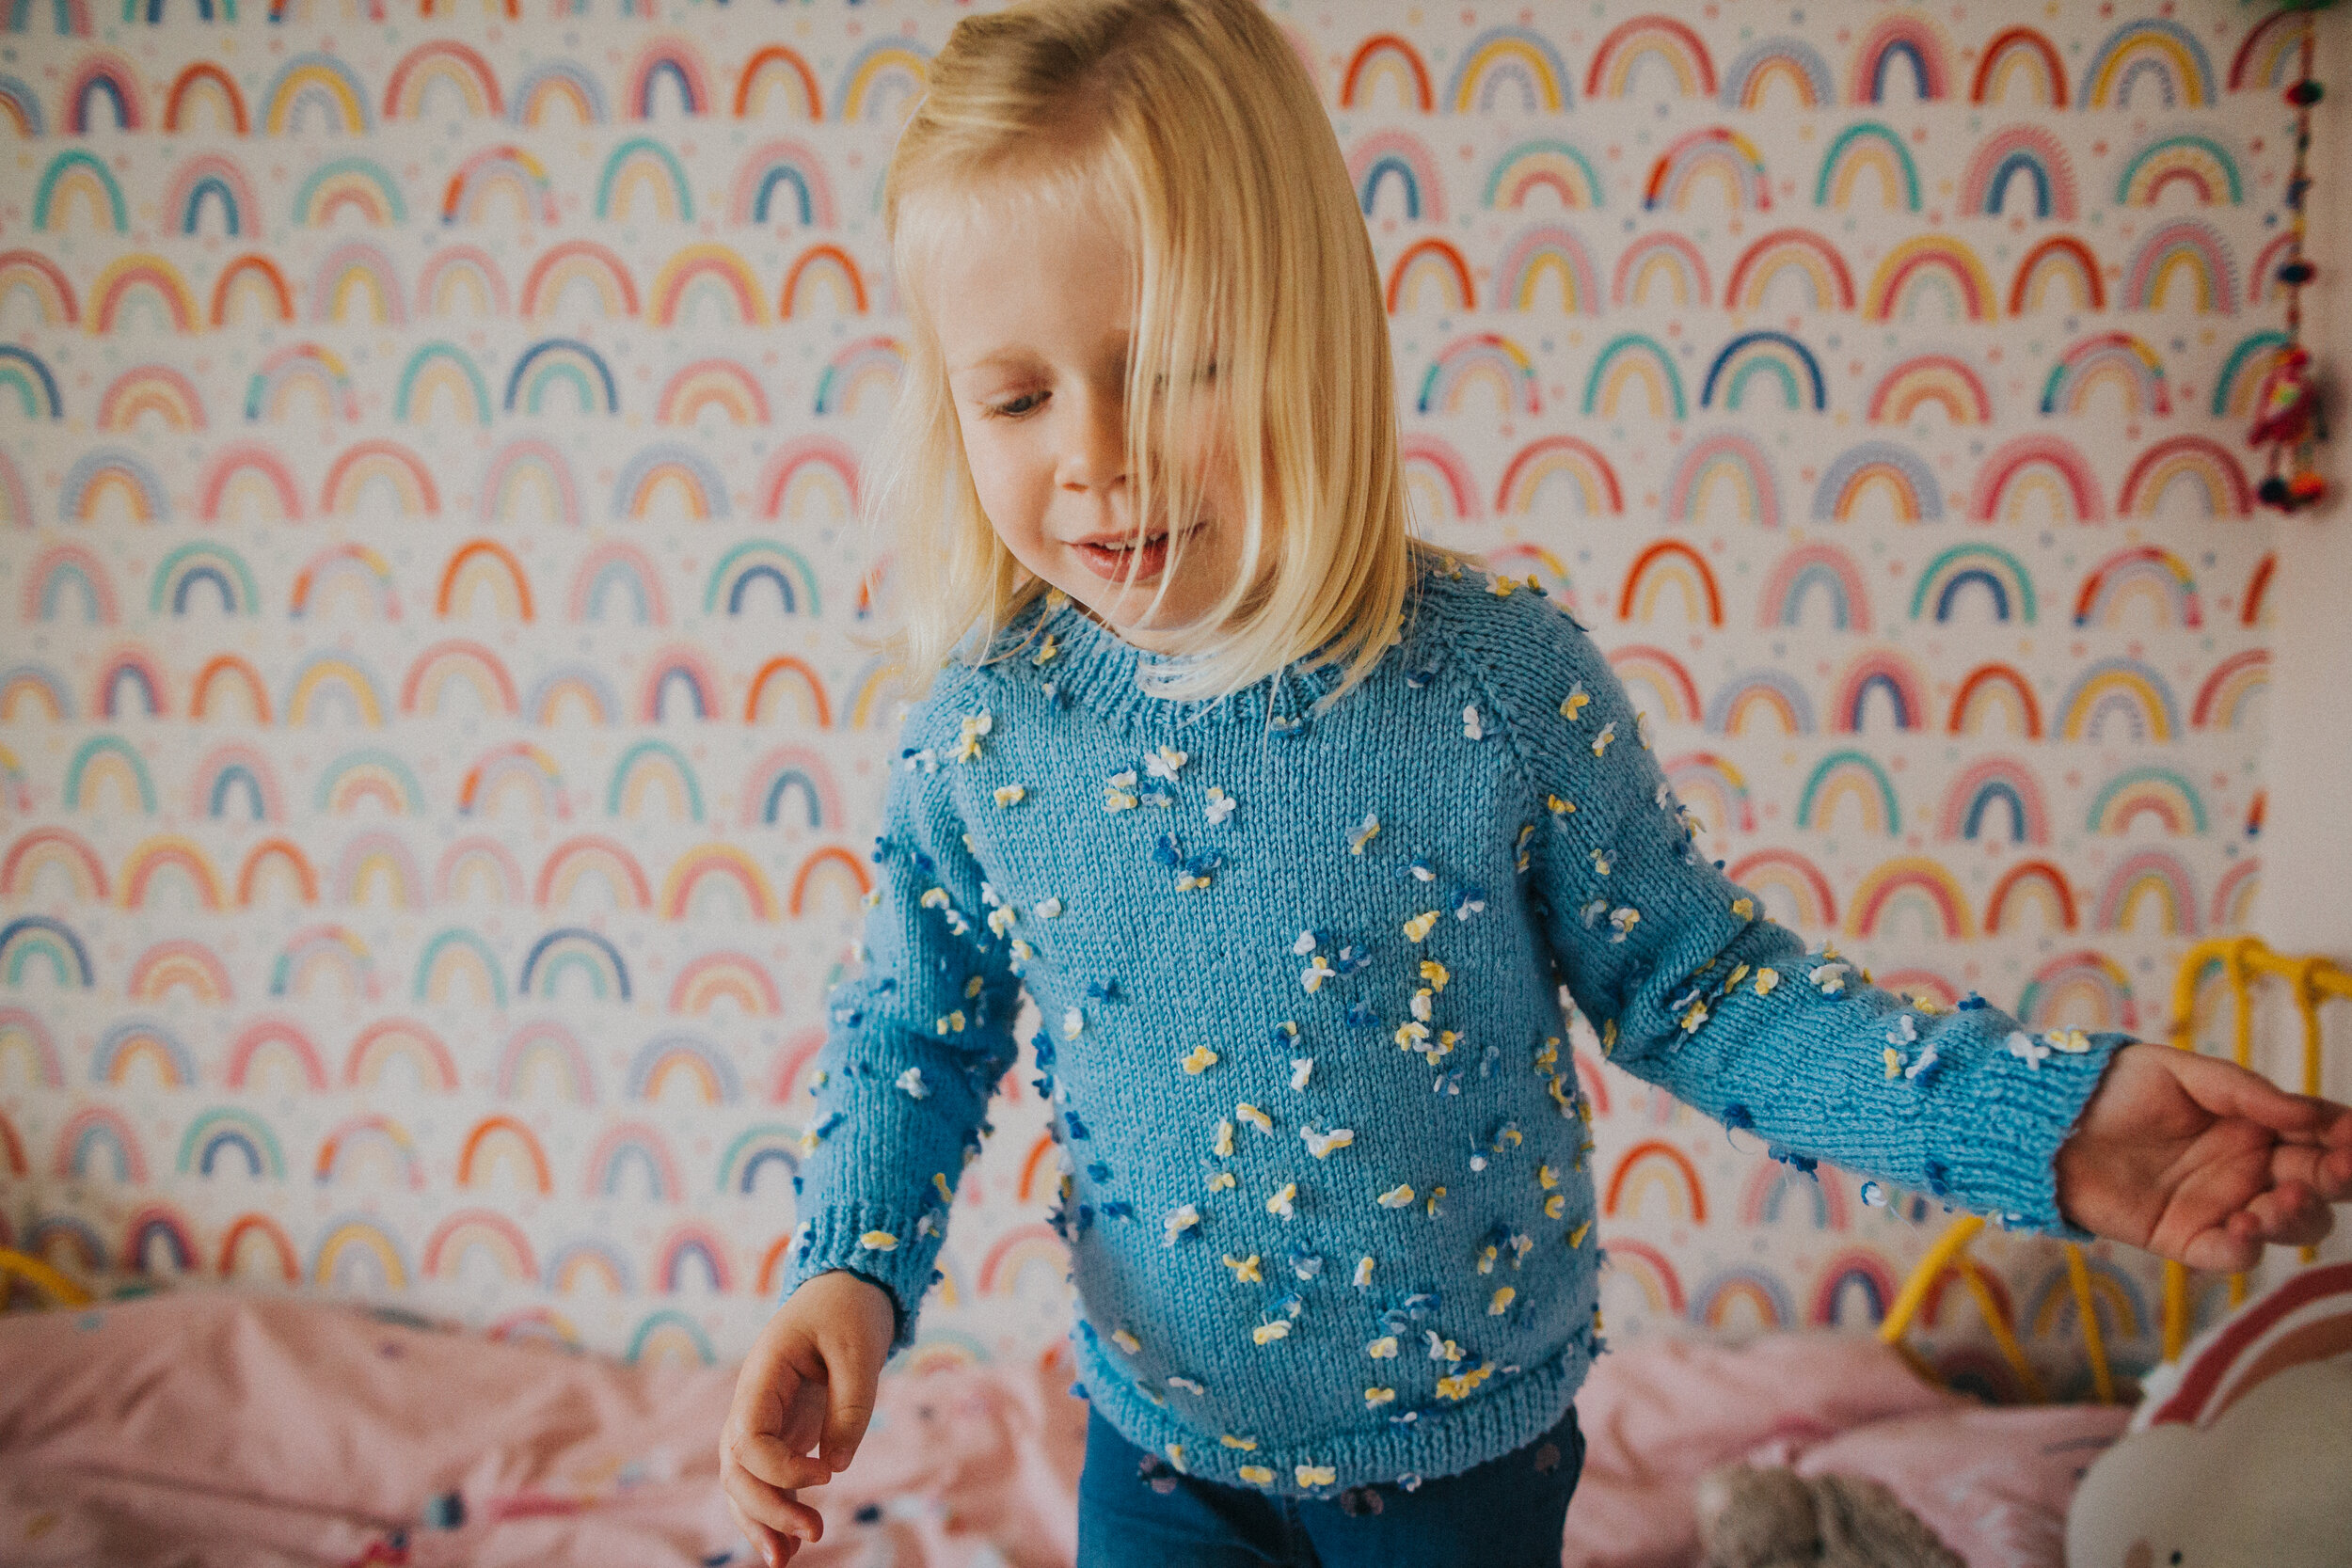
x: 1014, y: 409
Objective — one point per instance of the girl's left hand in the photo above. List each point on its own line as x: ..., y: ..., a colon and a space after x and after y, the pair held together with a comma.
x: 2197, y: 1159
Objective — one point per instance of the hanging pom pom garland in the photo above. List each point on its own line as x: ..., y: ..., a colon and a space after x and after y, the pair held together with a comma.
x: 2288, y: 418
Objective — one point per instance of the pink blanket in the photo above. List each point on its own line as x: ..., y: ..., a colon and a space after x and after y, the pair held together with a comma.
x: 199, y: 1427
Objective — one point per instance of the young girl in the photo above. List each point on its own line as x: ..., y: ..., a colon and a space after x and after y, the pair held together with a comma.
x: 1293, y: 829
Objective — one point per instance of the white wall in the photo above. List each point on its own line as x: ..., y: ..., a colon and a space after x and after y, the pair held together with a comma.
x: 2306, y: 900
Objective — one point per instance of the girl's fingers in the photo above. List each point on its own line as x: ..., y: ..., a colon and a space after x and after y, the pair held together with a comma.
x: 2297, y: 1216
x: 2226, y: 1090
x: 2326, y: 1171
x: 2228, y: 1247
x: 771, y: 1460
x: 770, y: 1506
x: 2331, y: 1171
x: 773, y: 1549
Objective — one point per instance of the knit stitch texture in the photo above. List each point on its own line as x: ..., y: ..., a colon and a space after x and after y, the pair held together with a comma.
x: 1325, y: 1175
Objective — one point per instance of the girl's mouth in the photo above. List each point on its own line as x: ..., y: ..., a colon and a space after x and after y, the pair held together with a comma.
x: 1136, y: 564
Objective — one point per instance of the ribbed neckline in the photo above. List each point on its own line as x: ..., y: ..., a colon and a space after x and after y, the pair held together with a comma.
x: 1095, y: 668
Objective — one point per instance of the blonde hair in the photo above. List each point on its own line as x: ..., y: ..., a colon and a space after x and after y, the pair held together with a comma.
x: 1193, y: 124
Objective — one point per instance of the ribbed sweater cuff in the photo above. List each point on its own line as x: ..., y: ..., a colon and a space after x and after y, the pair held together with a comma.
x: 837, y: 1237
x: 2004, y: 1157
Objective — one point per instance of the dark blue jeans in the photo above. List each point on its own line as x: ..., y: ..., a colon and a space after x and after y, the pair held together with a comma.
x: 1133, y: 1511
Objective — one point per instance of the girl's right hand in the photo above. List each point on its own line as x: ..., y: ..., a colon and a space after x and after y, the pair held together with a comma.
x: 808, y: 1384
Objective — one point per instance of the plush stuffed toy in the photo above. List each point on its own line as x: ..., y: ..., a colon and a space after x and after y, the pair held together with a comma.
x: 1777, y: 1519
x: 2241, y: 1453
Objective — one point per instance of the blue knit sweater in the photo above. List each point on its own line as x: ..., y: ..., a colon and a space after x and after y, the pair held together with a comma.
x: 1327, y: 1193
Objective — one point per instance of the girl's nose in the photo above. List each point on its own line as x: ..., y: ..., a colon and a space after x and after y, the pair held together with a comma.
x: 1094, y: 451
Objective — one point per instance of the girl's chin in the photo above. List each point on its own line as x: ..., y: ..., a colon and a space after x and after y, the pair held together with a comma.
x: 1131, y: 623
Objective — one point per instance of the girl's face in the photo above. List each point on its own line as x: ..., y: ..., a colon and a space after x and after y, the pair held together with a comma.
x: 1034, y: 317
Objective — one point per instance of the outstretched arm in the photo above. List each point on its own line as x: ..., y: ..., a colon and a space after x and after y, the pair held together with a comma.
x: 1691, y: 988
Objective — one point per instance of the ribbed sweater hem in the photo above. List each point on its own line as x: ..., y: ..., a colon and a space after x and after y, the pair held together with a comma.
x: 1513, y: 1412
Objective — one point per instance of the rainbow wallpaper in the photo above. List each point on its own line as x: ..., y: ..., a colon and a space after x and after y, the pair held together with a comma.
x: 440, y: 730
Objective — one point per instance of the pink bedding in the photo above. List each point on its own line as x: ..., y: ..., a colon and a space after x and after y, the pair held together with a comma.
x: 199, y: 1428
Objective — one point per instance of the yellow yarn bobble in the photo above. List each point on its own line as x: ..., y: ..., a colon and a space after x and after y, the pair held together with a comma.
x: 1576, y: 1237
x: 1316, y: 1475
x: 1419, y: 926
x: 1198, y: 1060
x: 1223, y: 1145
x: 1364, y: 1270
x: 1267, y: 1333
x: 1125, y: 1341
x: 1321, y: 1144
x: 878, y: 1241
x: 1375, y: 1398
x: 1011, y: 795
x: 1555, y: 1205
x: 968, y: 742
x: 1765, y: 980
x: 1382, y: 1348
x: 1459, y: 1386
x: 1502, y: 1302
x: 1743, y: 908
x: 1245, y: 1269
x: 1246, y: 1444
x: 1256, y: 1475
x: 1435, y: 973
x: 1395, y: 1197
x: 1284, y: 1201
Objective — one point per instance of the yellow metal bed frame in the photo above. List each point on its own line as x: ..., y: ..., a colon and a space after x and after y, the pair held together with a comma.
x: 2314, y: 980
x: 17, y: 1265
